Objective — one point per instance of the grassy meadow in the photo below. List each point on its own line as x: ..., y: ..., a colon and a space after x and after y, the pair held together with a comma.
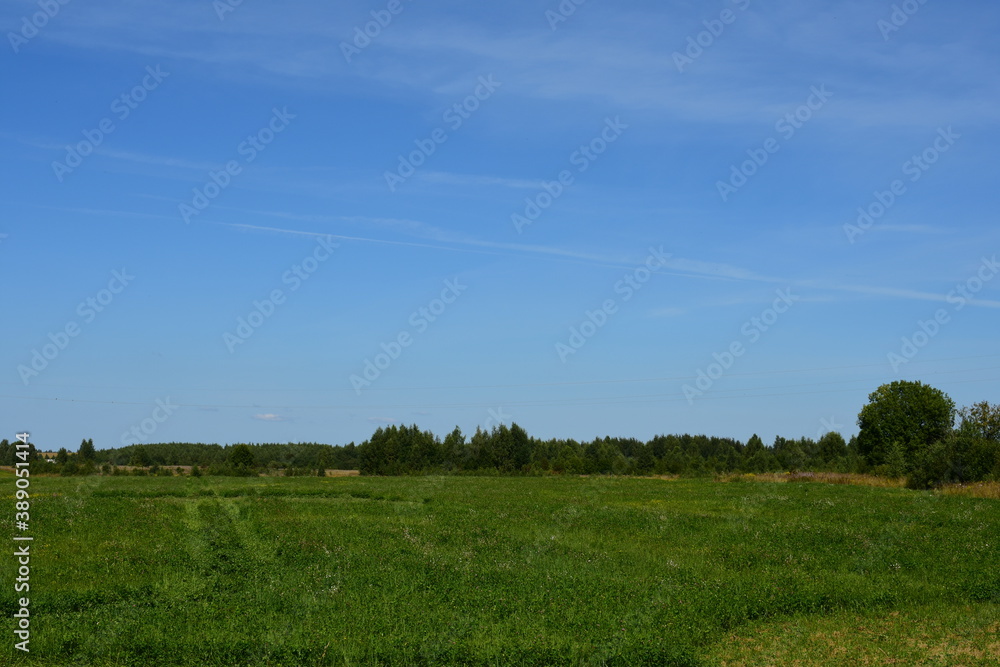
x: 503, y: 571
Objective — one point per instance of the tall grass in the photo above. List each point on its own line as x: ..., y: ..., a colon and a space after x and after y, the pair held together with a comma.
x: 974, y: 490
x: 977, y: 490
x: 480, y: 571
x: 854, y: 479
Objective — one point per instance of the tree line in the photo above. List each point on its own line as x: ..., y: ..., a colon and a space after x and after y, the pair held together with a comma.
x: 907, y: 429
x: 209, y: 459
x: 399, y: 450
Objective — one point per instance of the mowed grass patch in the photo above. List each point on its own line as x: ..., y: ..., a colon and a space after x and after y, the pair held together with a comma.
x: 494, y: 571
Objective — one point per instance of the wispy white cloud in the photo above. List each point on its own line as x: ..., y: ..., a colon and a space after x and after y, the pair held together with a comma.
x: 460, y: 243
x: 628, y: 69
x: 676, y: 266
x: 717, y: 270
x: 894, y: 292
x: 270, y: 418
x: 476, y: 180
x: 156, y: 160
x: 413, y: 228
x: 912, y: 229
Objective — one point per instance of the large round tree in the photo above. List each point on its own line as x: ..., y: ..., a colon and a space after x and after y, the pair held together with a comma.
x: 904, y: 415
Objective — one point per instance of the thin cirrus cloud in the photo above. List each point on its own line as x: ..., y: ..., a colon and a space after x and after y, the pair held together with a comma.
x: 912, y: 229
x: 635, y: 73
x: 446, y: 178
x: 677, y: 266
x: 268, y: 417
x: 381, y: 420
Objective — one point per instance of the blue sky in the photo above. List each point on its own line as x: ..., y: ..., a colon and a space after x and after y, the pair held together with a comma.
x: 568, y: 216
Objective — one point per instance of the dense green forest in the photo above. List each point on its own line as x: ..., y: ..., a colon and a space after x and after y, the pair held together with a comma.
x: 510, y: 450
x: 907, y: 432
x: 290, y: 459
x: 907, y: 429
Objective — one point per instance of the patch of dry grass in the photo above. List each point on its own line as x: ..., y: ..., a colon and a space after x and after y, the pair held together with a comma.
x: 342, y: 473
x: 853, y: 479
x: 977, y: 490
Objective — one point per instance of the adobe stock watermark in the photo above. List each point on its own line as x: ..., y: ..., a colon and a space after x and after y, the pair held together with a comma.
x: 696, y: 44
x: 22, y: 521
x: 786, y: 127
x: 899, y: 17
x: 248, y: 149
x: 419, y: 321
x: 32, y: 25
x: 497, y: 418
x: 828, y: 426
x: 562, y: 12
x: 121, y: 107
x: 753, y: 329
x: 958, y: 298
x: 582, y: 158
x: 454, y: 118
x: 915, y: 168
x: 294, y: 277
x: 627, y: 287
x: 87, y: 311
x: 141, y: 432
x: 364, y: 34
x: 224, y: 7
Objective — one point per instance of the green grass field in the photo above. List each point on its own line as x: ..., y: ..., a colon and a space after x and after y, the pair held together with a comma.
x: 503, y: 571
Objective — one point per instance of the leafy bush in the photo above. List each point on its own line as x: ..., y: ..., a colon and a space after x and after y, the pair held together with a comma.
x: 958, y: 459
